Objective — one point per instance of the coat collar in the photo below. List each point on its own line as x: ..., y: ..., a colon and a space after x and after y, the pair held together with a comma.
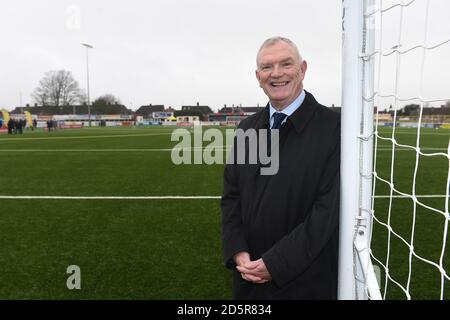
x: 299, y: 118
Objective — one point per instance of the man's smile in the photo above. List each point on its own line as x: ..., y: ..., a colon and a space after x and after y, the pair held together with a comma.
x: 279, y: 84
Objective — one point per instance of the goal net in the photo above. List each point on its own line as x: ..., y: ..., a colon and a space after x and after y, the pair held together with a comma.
x: 395, y: 166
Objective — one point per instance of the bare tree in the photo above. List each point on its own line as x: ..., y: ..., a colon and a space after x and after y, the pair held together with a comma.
x: 57, y: 88
x: 106, y: 99
x: 82, y: 97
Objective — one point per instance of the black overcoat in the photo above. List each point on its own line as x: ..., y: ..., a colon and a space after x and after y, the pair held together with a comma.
x: 289, y: 219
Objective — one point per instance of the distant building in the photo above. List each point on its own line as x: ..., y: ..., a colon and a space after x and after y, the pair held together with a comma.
x: 248, y: 111
x: 202, y: 112
x: 74, y: 110
x: 147, y: 111
x: 230, y: 110
x: 187, y: 120
x: 387, y: 117
x: 239, y: 110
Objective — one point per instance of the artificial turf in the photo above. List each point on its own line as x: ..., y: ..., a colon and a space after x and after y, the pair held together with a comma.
x: 170, y: 249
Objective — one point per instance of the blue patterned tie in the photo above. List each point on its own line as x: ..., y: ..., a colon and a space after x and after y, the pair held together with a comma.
x: 278, y: 118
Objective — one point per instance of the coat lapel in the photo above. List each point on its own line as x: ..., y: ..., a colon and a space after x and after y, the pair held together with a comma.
x: 302, y: 115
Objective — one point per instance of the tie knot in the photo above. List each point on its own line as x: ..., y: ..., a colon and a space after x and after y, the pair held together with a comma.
x: 278, y: 118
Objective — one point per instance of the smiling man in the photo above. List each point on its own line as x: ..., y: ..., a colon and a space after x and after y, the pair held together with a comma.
x: 280, y: 72
x: 280, y: 232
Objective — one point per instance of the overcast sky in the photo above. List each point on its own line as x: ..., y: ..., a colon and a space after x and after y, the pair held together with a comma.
x: 180, y: 52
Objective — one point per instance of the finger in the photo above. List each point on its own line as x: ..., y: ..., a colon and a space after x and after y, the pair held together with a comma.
x: 245, y: 277
x: 258, y: 268
x: 251, y: 278
x: 252, y: 264
x: 243, y: 260
x: 244, y: 269
x: 256, y: 282
x: 254, y: 279
x: 252, y: 273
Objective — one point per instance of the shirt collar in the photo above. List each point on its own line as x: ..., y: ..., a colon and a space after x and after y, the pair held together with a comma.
x: 290, y: 109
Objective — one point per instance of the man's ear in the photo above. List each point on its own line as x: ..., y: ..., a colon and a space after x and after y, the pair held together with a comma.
x: 303, y: 67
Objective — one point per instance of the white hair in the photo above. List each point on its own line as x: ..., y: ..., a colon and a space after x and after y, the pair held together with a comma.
x: 274, y: 40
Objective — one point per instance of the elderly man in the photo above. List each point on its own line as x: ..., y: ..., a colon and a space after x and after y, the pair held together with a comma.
x: 280, y: 232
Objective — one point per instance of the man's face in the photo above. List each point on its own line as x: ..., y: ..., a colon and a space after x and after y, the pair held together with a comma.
x: 280, y: 74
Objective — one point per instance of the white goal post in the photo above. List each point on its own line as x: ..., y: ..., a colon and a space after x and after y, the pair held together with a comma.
x: 356, y: 273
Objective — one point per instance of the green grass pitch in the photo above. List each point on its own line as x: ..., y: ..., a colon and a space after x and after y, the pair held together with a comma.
x: 428, y: 236
x: 166, y: 249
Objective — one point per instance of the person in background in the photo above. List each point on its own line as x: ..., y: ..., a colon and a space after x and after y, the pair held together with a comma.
x: 10, y: 126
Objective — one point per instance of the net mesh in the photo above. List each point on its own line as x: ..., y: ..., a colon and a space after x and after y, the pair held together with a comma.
x: 411, y: 170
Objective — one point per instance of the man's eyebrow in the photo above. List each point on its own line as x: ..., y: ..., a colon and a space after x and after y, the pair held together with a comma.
x: 264, y: 64
x: 287, y: 60
x: 269, y: 63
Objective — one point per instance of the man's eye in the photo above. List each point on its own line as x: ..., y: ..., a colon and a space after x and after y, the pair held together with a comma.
x: 265, y: 68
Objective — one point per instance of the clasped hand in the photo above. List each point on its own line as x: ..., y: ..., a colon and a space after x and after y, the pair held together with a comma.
x: 252, y: 271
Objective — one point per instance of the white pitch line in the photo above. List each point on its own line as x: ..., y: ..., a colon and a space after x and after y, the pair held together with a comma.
x: 156, y: 197
x: 422, y: 133
x: 408, y: 149
x: 405, y: 197
x: 82, y: 150
x: 112, y: 150
x: 85, y: 137
x: 155, y: 150
x: 112, y: 197
x: 159, y: 150
x: 125, y: 130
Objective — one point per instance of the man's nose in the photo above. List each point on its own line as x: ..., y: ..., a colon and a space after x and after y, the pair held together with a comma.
x: 277, y: 71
